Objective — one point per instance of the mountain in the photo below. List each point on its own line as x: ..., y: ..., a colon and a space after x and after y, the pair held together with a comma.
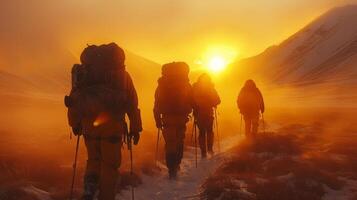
x: 323, y: 51
x: 55, y: 78
x: 317, y: 66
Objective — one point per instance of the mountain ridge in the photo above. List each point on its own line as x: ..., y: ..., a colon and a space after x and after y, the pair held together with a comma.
x: 327, y: 44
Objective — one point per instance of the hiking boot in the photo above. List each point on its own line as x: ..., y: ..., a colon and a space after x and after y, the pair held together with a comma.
x: 90, y: 186
x: 87, y: 197
x: 203, y: 155
x: 172, y: 174
x: 211, y: 152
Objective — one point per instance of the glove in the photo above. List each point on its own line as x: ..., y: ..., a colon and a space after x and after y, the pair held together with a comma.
x: 77, y: 130
x: 159, y: 124
x: 135, y: 136
x: 68, y: 101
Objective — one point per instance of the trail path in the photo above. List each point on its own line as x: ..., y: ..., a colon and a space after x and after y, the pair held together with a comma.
x: 190, y: 178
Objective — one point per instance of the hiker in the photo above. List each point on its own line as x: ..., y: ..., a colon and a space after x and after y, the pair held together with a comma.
x: 250, y: 103
x: 173, y: 104
x: 205, y: 98
x: 102, y: 94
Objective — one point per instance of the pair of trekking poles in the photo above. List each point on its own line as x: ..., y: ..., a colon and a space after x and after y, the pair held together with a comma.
x: 194, y: 134
x: 130, y: 148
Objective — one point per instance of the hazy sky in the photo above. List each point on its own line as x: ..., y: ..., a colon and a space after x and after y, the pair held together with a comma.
x: 160, y: 30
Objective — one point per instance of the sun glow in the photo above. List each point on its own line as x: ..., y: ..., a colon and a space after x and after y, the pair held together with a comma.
x: 216, y: 59
x: 217, y: 64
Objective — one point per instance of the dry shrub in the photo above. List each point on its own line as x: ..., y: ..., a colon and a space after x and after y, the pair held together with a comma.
x: 224, y: 187
x: 288, y: 164
x: 243, y: 163
x: 271, y: 143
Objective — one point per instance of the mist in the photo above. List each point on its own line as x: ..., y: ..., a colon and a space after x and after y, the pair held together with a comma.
x: 41, y: 40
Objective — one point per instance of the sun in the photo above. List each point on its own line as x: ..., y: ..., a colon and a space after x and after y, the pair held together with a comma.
x: 216, y: 59
x: 217, y: 64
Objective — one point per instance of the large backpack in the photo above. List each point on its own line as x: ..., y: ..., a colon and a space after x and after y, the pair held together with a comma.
x: 249, y: 101
x: 98, y: 84
x: 205, y: 96
x: 174, y: 94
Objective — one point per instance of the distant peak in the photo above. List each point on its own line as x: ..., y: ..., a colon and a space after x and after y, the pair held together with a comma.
x: 346, y: 7
x: 350, y: 9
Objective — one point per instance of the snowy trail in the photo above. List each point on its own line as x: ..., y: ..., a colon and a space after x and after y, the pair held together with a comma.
x: 190, y: 178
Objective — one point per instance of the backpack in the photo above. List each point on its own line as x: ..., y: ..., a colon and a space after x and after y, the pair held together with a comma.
x: 205, y: 96
x: 174, y: 93
x: 249, y: 101
x: 98, y: 83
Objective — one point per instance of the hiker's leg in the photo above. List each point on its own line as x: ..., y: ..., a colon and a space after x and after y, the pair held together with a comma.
x: 180, y: 143
x: 92, y: 171
x: 202, y: 140
x: 111, y: 159
x: 255, y: 125
x: 248, y: 126
x: 210, y: 136
x: 169, y: 133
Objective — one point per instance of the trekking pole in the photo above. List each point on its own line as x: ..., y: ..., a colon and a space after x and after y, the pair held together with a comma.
x: 157, y: 146
x: 74, y: 168
x: 130, y: 148
x: 241, y: 122
x: 194, y: 123
x: 218, y: 139
x: 263, y: 123
x: 193, y: 130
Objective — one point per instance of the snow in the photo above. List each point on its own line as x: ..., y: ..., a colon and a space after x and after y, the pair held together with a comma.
x: 241, y: 184
x: 189, y: 181
x: 348, y: 192
x: 286, y: 177
x: 261, y: 181
x: 324, y: 49
x: 37, y: 193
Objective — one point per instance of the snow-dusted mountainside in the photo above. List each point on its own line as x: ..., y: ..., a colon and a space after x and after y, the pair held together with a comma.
x: 323, y: 51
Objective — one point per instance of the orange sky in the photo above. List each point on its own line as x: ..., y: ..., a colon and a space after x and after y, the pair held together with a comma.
x: 160, y: 30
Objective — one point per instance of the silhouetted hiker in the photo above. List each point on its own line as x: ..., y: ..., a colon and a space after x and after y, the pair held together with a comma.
x: 250, y: 102
x: 102, y: 93
x: 173, y: 104
x: 205, y: 98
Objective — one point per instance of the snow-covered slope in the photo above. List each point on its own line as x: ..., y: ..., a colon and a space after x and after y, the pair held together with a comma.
x: 325, y: 50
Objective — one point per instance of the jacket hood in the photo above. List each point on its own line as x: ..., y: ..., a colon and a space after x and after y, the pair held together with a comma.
x: 250, y: 84
x: 205, y: 80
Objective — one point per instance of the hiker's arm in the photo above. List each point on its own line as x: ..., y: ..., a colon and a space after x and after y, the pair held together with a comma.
x: 133, y: 111
x: 262, y: 105
x: 239, y: 100
x: 157, y: 113
x: 217, y: 99
x: 191, y: 99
